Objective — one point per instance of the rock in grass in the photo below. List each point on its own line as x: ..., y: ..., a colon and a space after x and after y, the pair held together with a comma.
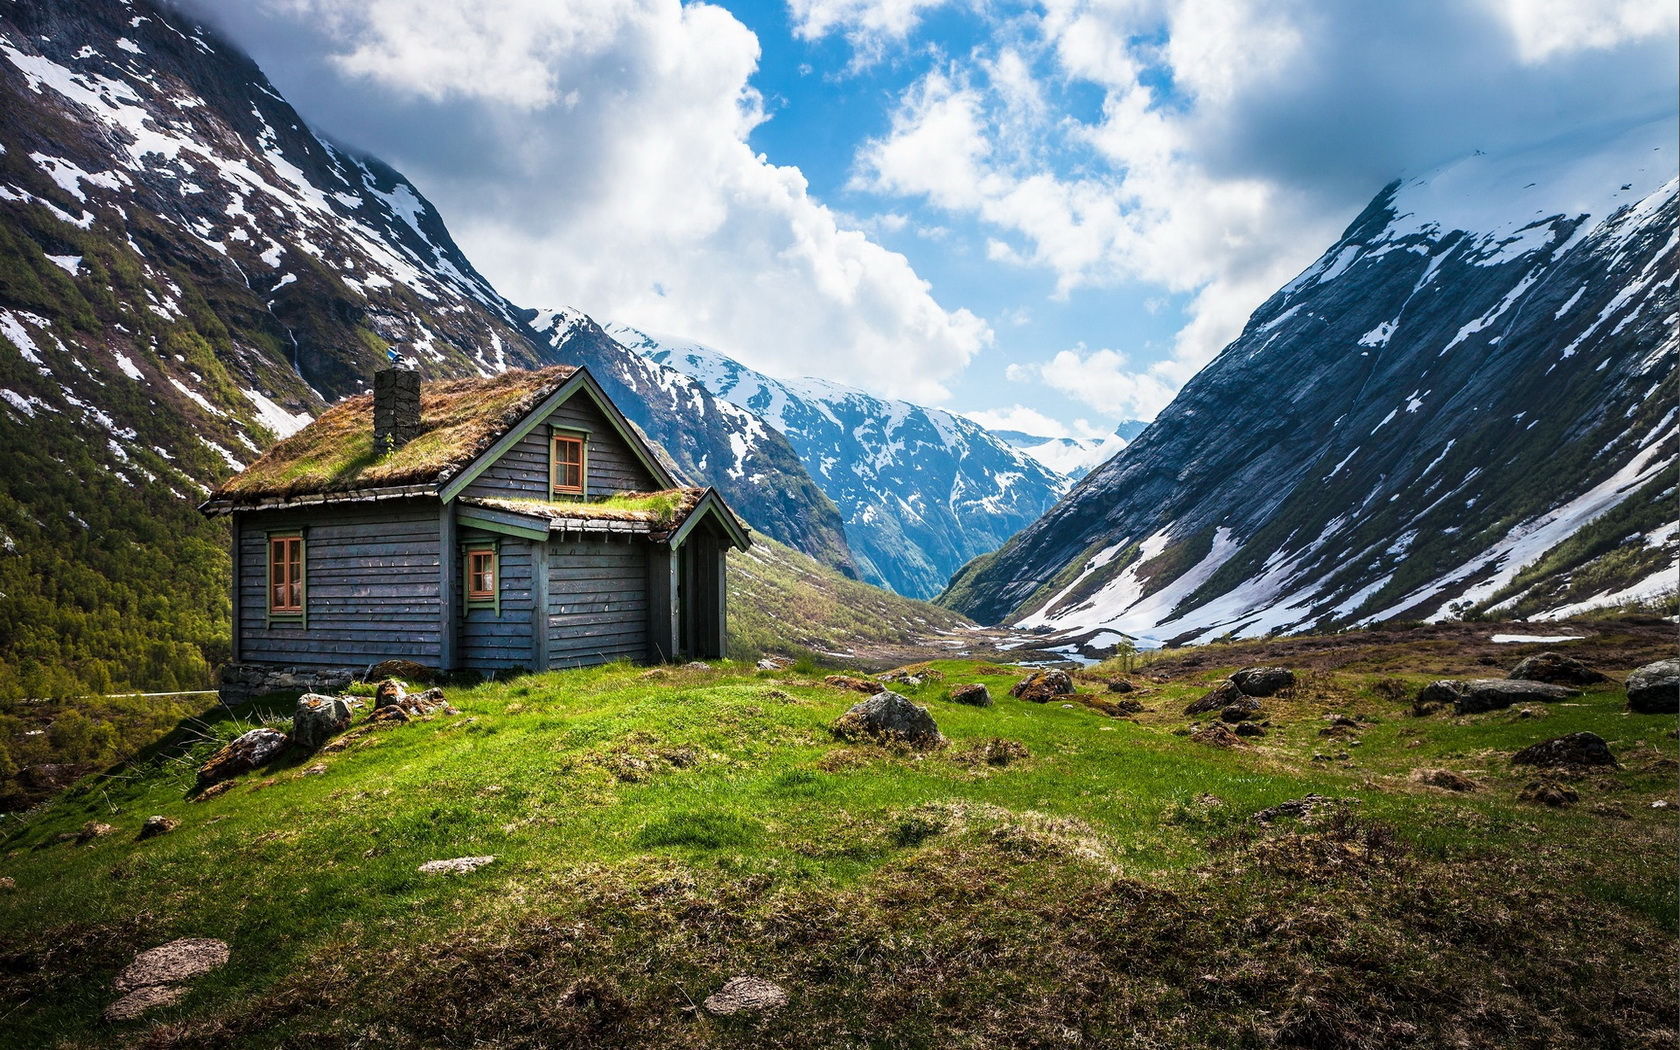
x: 388, y: 692
x: 179, y: 960
x: 407, y: 670
x: 1120, y: 685
x: 158, y: 825
x: 975, y: 694
x: 1041, y: 687
x: 1221, y: 695
x: 1250, y: 729
x: 887, y: 718
x: 242, y: 755
x: 1576, y: 749
x: 134, y: 1005
x: 1556, y: 669
x: 1444, y: 778
x: 317, y: 719
x: 1264, y: 681
x: 750, y: 994
x: 455, y: 866
x: 1655, y: 689
x: 1489, y: 694
x: 1216, y: 735
x: 1548, y: 793
x: 856, y: 685
x: 1240, y: 710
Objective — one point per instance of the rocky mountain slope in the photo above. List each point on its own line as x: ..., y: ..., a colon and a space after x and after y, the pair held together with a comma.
x: 186, y: 273
x: 1467, y: 403
x: 922, y: 490
x: 1073, y: 458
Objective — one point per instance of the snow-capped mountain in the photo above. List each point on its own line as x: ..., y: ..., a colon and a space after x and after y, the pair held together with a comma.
x: 1468, y: 402
x: 1073, y: 458
x: 188, y: 272
x: 921, y: 490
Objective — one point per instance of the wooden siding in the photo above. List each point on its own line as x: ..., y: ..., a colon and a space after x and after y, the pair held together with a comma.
x: 494, y: 639
x: 522, y: 471
x: 597, y: 601
x: 371, y: 586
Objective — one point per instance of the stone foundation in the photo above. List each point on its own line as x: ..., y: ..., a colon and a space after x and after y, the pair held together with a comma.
x: 241, y: 682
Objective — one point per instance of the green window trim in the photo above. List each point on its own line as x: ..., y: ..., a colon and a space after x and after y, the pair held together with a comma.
x: 301, y: 615
x: 494, y: 602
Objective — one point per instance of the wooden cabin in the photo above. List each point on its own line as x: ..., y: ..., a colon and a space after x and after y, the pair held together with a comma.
x: 518, y: 521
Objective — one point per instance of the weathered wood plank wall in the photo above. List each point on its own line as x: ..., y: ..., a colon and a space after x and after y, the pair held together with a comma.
x: 597, y: 601
x: 493, y: 640
x: 371, y: 586
x: 522, y: 471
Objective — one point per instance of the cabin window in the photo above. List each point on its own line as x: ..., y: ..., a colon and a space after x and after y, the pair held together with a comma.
x: 568, y: 465
x: 481, y: 574
x: 481, y: 562
x: 285, y: 575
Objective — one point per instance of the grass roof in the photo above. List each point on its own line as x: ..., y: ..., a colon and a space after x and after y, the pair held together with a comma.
x: 459, y: 420
x: 666, y: 508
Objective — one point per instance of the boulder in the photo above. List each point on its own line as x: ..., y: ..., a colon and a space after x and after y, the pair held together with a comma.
x: 1264, y: 681
x: 750, y: 994
x: 1490, y: 694
x: 975, y: 694
x: 407, y: 670
x: 1041, y: 687
x: 1655, y: 689
x: 158, y: 825
x: 388, y: 692
x: 1436, y: 695
x: 1556, y: 669
x: 1120, y: 685
x: 1250, y: 729
x: 1240, y: 710
x: 856, y: 685
x: 1216, y: 735
x: 888, y: 717
x: 242, y: 755
x: 1576, y: 749
x: 1223, y: 694
x: 317, y: 719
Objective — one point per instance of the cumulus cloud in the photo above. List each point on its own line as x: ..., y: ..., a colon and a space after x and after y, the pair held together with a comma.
x: 596, y: 155
x: 869, y: 25
x: 1235, y: 137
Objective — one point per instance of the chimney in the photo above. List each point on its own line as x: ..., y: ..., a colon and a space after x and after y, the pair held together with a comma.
x: 396, y: 408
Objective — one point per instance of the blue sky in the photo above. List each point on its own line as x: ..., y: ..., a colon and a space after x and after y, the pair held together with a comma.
x: 1049, y: 214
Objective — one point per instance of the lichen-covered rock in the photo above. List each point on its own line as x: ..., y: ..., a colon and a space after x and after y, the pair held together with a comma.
x: 1576, y: 749
x: 454, y: 866
x: 317, y: 719
x: 1221, y: 695
x: 1241, y: 709
x: 888, y: 717
x: 179, y: 960
x: 750, y: 994
x: 974, y: 694
x: 407, y: 670
x: 1655, y: 689
x: 1556, y: 669
x: 856, y: 685
x: 135, y: 1004
x: 1041, y: 687
x: 242, y: 755
x: 1264, y: 681
x: 1473, y: 696
x: 388, y: 692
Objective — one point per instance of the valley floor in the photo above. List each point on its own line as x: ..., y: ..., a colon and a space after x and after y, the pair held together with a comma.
x: 1055, y: 876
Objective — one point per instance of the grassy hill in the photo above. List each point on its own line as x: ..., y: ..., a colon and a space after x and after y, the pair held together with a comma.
x: 1092, y: 880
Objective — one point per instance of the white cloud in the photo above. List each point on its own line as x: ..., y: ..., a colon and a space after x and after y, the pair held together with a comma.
x: 1546, y: 28
x: 595, y: 155
x: 1101, y: 379
x: 868, y: 24
x: 1031, y: 421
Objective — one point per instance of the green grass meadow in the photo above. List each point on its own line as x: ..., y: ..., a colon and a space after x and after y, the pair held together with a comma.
x: 658, y: 831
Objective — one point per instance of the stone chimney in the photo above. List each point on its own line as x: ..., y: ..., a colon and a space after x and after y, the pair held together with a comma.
x: 396, y: 408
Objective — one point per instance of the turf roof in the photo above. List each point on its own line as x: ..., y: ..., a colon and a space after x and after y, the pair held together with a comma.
x: 664, y: 512
x: 459, y: 420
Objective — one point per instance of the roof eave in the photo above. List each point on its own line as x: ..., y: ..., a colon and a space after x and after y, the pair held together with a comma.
x: 217, y: 505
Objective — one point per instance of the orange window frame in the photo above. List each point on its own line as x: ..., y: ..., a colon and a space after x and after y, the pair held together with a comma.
x: 285, y: 574
x: 481, y: 574
x: 567, y: 463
